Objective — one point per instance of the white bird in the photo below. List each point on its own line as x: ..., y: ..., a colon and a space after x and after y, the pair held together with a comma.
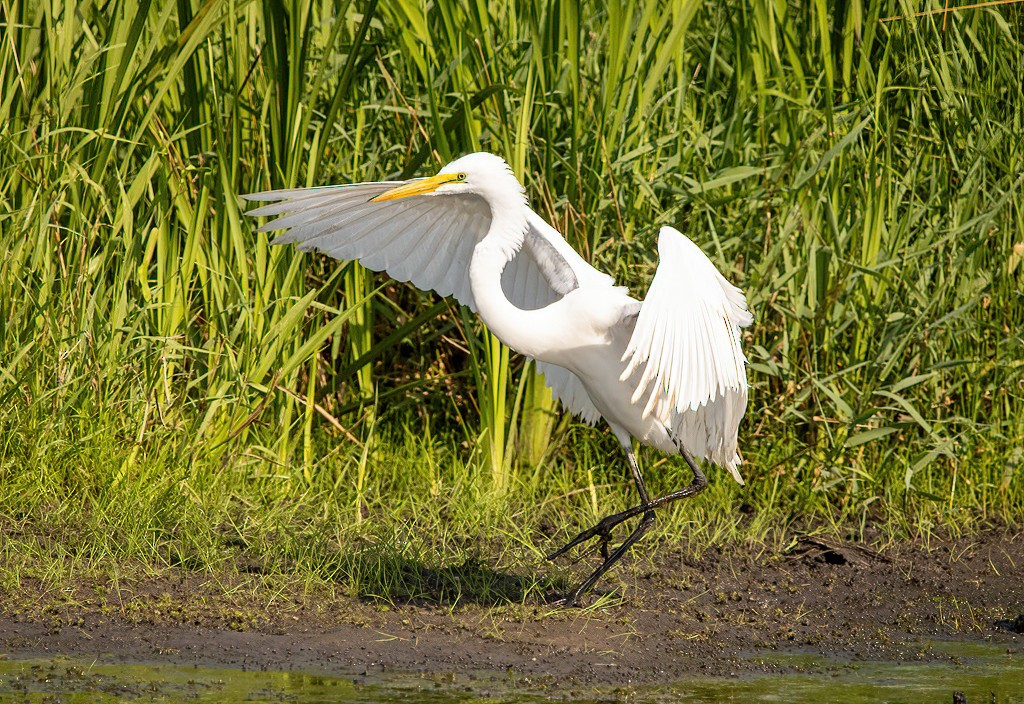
x: 668, y: 371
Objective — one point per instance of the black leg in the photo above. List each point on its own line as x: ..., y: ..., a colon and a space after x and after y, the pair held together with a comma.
x: 646, y: 507
x: 603, y: 529
x: 696, y: 486
x: 572, y: 599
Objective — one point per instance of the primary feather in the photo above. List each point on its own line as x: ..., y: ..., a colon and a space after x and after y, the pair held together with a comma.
x: 687, y: 341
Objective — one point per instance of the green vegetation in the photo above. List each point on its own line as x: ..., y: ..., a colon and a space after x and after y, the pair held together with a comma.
x: 175, y: 392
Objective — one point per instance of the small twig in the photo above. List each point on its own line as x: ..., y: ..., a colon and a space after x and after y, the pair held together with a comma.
x: 412, y: 112
x: 947, y: 10
x: 257, y: 412
x: 322, y: 411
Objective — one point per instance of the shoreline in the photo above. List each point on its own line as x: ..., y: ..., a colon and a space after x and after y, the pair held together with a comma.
x: 713, y: 615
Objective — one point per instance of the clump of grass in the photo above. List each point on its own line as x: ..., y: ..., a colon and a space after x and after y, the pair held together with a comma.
x: 175, y: 391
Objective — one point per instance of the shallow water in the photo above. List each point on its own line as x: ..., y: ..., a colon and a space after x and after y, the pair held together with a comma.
x: 983, y: 673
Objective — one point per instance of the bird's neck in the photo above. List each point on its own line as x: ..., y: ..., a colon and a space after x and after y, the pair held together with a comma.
x: 512, y: 325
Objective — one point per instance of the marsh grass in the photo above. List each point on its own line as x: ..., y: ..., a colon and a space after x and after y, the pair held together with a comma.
x: 176, y: 393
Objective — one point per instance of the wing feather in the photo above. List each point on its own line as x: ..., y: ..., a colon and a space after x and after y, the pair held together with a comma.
x: 428, y: 240
x: 413, y: 244
x: 439, y: 266
x: 310, y: 210
x: 687, y: 339
x: 569, y: 390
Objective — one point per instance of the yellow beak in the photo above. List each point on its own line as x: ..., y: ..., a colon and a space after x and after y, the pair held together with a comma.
x: 416, y: 187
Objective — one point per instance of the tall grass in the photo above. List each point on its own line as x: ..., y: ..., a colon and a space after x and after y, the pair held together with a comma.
x: 860, y: 177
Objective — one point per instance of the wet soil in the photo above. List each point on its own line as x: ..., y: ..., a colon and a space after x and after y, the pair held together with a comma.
x: 658, y: 620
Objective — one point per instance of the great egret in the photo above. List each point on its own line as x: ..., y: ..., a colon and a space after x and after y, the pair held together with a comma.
x: 668, y: 371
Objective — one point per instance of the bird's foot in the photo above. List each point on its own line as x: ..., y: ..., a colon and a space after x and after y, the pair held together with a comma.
x: 602, y: 530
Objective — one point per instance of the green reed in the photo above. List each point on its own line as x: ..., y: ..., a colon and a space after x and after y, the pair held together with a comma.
x: 859, y: 176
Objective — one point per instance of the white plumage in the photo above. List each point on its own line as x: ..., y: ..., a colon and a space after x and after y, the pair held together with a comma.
x: 687, y: 341
x: 669, y: 371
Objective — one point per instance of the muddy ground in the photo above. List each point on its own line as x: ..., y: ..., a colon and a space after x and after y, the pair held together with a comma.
x: 661, y: 619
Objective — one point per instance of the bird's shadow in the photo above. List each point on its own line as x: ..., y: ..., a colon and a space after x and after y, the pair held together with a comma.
x: 401, y: 579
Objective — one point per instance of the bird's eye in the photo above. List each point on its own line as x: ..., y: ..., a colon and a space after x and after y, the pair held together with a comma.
x: 461, y: 177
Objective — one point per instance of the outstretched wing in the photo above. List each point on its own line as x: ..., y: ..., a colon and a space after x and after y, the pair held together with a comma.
x: 687, y: 338
x: 428, y: 241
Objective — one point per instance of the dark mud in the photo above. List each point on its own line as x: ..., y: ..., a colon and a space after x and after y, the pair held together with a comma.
x: 669, y: 617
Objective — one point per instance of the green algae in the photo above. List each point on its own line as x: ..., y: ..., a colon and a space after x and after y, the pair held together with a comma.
x: 980, y: 672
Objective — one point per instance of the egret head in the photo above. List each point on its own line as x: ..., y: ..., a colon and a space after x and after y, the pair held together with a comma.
x: 480, y: 174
